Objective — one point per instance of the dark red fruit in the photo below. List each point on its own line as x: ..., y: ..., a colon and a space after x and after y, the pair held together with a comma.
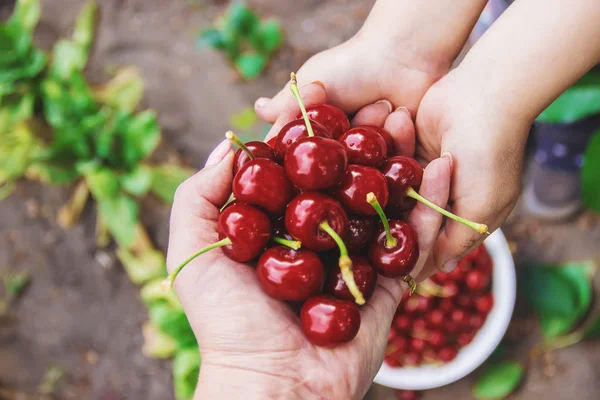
x: 315, y: 163
x: 258, y: 149
x: 449, y: 289
x: 399, y: 260
x: 329, y: 321
x: 412, y: 358
x: 476, y: 281
x: 406, y: 395
x: 447, y: 354
x: 392, y: 362
x: 332, y: 118
x: 446, y: 304
x: 304, y: 214
x: 402, y: 173
x: 364, y: 276
x: 464, y: 301
x: 360, y: 233
x: 402, y: 323
x: 271, y: 142
x: 417, y: 345
x: 389, y: 141
x: 436, y: 318
x: 294, y: 131
x: 263, y: 183
x: 364, y: 145
x: 290, y: 275
x: 399, y: 344
x: 436, y: 339
x: 460, y: 318
x: 248, y: 229
x: 464, y: 338
x: 484, y: 303
x: 476, y: 321
x: 419, y: 324
x: 357, y: 183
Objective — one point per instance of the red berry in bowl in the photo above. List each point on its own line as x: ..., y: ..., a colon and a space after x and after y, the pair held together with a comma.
x: 392, y: 362
x: 364, y: 145
x: 464, y: 338
x: 436, y: 339
x: 332, y: 118
x: 290, y: 275
x: 263, y: 183
x: 476, y: 281
x: 364, y: 276
x: 446, y: 304
x: 484, y: 303
x: 436, y: 318
x: 460, y: 318
x: 402, y: 323
x: 447, y: 354
x: 315, y: 163
x: 328, y: 321
x: 357, y: 183
x: 417, y: 345
x: 419, y: 324
x: 476, y: 321
x: 464, y: 301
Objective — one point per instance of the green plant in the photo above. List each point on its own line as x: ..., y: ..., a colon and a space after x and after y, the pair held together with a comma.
x: 246, y: 40
x: 58, y: 129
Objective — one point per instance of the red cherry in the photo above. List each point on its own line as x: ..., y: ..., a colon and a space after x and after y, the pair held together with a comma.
x: 402, y: 173
x: 315, y: 163
x: 446, y: 304
x: 364, y: 276
x: 476, y: 281
x: 402, y: 323
x: 436, y: 338
x: 392, y: 362
x: 440, y: 277
x: 425, y: 303
x: 389, y: 141
x: 476, y: 321
x: 412, y: 358
x: 449, y: 289
x: 447, y: 354
x: 464, y: 301
x: 248, y: 229
x: 332, y: 118
x: 459, y: 317
x: 304, y: 214
x: 290, y: 275
x: 360, y: 233
x: 329, y: 321
x: 457, y: 275
x: 364, y: 146
x: 484, y: 303
x: 258, y: 149
x: 263, y: 183
x: 419, y: 324
x: 271, y: 142
x: 436, y: 318
x: 412, y: 305
x: 417, y: 345
x: 392, y: 334
x: 400, y: 344
x: 294, y: 131
x: 406, y: 395
x: 357, y: 183
x: 464, y: 338
x: 399, y: 260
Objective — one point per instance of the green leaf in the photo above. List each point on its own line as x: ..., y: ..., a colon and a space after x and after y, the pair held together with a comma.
x: 140, y: 137
x: 120, y: 215
x: 103, y: 182
x: 590, y: 174
x: 85, y: 25
x: 250, y: 64
x: 6, y: 189
x: 152, y: 292
x: 67, y: 58
x: 186, y: 370
x: 157, y: 344
x: 560, y: 296
x: 138, y: 181
x: 213, y: 38
x: 165, y: 180
x: 51, y: 173
x: 499, y: 380
x: 244, y: 119
x: 26, y: 15
x: 142, y: 268
x: 579, y: 101
x: 174, y: 323
x: 19, y: 147
x: 594, y: 330
x: 124, y: 92
x: 240, y: 19
x: 269, y: 37
x: 14, y: 284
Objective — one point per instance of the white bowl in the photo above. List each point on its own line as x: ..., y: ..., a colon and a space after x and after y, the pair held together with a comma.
x: 487, y: 339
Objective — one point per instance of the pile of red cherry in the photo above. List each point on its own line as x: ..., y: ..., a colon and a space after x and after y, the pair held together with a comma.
x: 444, y: 316
x: 317, y: 186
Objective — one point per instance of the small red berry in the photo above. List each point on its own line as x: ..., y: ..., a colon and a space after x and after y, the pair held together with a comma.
x: 392, y: 362
x: 447, y: 354
x: 476, y: 321
x: 459, y: 317
x: 417, y: 345
x: 476, y: 281
x: 436, y: 338
x: 464, y: 338
x: 402, y: 322
x: 484, y: 303
x: 436, y: 318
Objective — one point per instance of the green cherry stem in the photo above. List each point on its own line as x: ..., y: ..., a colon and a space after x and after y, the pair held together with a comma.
x: 481, y: 228
x: 168, y: 282
x: 296, y: 92
x: 292, y: 244
x: 390, y: 240
x: 344, y: 262
x: 232, y: 137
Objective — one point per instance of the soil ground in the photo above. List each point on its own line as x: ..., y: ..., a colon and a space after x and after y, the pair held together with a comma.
x: 82, y: 313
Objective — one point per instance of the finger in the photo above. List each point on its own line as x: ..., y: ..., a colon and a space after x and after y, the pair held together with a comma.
x: 312, y: 94
x: 373, y: 114
x: 427, y: 222
x: 269, y: 109
x: 196, y: 207
x: 400, y: 125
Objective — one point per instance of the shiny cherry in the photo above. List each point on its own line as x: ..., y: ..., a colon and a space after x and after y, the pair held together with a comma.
x: 315, y: 163
x: 357, y: 183
x: 304, y: 214
x: 364, y: 145
x: 364, y: 276
x: 476, y: 281
x: 399, y: 260
x: 248, y: 229
x: 271, y: 142
x: 294, y: 131
x: 389, y: 141
x: 360, y: 233
x: 332, y: 118
x: 290, y: 275
x: 401, y: 173
x: 447, y: 354
x: 258, y: 149
x: 328, y: 321
x: 263, y: 183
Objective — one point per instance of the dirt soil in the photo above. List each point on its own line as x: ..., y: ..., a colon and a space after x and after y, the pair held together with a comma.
x: 83, y: 314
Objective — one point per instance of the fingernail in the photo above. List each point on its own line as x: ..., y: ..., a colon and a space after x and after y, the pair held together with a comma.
x: 405, y: 110
x: 317, y: 83
x: 218, y: 153
x: 389, y: 105
x: 449, y: 266
x: 261, y: 102
x: 448, y: 156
